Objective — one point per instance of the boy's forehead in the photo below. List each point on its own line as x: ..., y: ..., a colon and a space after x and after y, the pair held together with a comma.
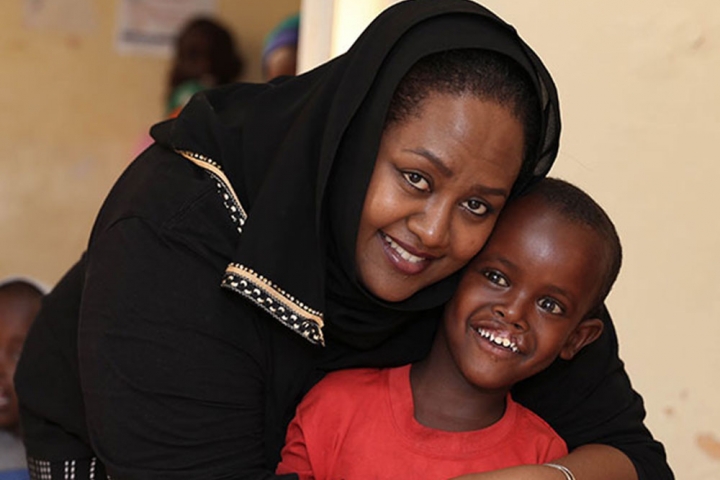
x: 530, y: 221
x: 521, y: 213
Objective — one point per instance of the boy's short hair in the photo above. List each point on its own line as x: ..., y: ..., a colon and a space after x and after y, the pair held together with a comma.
x: 575, y: 205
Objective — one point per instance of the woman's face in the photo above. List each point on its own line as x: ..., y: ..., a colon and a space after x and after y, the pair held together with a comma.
x: 440, y: 180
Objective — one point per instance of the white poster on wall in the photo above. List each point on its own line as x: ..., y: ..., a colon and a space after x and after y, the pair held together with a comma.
x: 149, y: 27
x: 72, y: 16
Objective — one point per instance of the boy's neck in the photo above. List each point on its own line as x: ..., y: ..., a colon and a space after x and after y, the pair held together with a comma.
x: 444, y: 400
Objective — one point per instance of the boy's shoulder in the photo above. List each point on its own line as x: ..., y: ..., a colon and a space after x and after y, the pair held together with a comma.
x: 342, y: 387
x: 340, y: 399
x: 352, y: 379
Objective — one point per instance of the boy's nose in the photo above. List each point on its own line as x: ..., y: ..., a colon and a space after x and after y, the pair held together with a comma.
x: 511, y: 314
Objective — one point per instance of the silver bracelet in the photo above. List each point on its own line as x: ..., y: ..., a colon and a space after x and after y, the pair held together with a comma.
x: 568, y: 474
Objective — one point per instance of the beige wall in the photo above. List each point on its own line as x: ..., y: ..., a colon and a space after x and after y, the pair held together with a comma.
x: 638, y: 82
x: 71, y: 114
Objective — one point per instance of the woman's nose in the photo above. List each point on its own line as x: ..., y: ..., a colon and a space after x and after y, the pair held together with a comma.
x: 432, y: 225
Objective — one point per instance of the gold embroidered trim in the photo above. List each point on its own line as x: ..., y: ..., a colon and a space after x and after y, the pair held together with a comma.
x: 234, y: 206
x: 298, y: 307
x: 287, y: 309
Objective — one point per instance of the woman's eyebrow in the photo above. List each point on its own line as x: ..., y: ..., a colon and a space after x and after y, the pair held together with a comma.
x: 485, y: 190
x: 434, y: 159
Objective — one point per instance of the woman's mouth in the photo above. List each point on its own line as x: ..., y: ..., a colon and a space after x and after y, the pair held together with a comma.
x: 401, y: 258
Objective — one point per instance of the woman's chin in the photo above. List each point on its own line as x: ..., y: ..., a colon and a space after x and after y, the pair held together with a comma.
x: 392, y: 293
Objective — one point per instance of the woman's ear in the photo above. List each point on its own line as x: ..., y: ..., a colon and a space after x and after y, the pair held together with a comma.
x: 584, y: 334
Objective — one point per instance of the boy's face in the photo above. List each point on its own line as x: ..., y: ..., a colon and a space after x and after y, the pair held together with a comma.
x: 522, y: 300
x: 15, y: 319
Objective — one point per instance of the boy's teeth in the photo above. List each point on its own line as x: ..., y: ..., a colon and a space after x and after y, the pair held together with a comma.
x: 500, y: 341
x: 402, y: 252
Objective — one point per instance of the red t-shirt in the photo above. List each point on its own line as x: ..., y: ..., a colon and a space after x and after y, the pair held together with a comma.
x: 359, y: 425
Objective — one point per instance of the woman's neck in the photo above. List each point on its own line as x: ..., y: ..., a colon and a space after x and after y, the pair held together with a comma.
x: 445, y: 400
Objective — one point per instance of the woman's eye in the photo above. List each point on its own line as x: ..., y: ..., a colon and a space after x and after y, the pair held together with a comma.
x: 551, y: 306
x: 417, y: 181
x: 476, y: 207
x: 496, y: 277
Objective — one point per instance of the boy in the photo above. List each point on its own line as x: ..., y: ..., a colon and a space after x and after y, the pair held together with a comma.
x: 533, y: 294
x: 19, y: 304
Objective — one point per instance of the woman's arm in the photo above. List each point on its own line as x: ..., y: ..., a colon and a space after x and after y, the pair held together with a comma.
x: 590, y: 400
x: 173, y: 373
x: 590, y: 462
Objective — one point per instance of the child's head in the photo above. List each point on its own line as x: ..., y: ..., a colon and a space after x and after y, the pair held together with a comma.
x: 19, y: 304
x: 279, y: 54
x: 536, y: 289
x: 205, y: 51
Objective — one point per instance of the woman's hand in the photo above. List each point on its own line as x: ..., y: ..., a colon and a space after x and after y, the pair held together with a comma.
x: 589, y: 462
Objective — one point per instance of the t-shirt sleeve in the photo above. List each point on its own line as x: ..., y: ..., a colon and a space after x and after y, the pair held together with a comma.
x: 173, y: 380
x: 591, y: 400
x: 295, y: 456
x: 322, y: 419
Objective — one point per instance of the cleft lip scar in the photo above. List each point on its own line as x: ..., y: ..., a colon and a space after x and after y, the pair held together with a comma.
x: 503, y: 341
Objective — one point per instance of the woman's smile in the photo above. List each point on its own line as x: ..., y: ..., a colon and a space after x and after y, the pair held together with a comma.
x: 405, y: 258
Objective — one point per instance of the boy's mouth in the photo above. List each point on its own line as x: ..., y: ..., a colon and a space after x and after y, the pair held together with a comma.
x: 501, y: 340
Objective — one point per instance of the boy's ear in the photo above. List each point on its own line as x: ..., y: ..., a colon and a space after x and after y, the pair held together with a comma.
x: 584, y: 334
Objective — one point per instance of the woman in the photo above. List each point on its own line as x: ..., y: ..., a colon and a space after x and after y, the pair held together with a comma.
x: 275, y: 192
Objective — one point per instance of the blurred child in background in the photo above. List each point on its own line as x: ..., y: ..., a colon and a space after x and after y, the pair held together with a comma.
x: 279, y: 56
x: 20, y: 301
x: 205, y: 56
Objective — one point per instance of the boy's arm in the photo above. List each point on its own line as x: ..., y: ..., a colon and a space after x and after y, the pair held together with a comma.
x: 589, y: 462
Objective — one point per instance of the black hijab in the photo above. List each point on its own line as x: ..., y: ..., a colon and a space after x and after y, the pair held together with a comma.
x: 300, y: 154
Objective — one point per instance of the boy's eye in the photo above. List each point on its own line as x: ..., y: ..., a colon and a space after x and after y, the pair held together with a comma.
x: 551, y: 306
x: 496, y: 277
x: 476, y: 207
x: 417, y: 181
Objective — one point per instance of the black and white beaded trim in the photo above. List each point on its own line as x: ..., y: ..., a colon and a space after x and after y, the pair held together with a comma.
x: 77, y: 469
x: 284, y: 307
x: 225, y: 188
x: 39, y: 469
